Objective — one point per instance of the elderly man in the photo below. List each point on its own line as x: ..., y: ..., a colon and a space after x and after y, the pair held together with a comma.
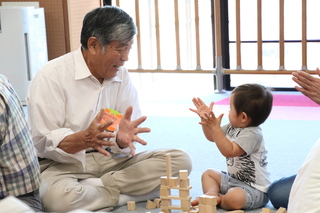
x: 82, y: 165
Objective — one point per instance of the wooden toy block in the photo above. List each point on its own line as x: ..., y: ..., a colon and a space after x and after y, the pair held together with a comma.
x: 131, y: 205
x: 202, y: 208
x: 185, y: 204
x: 168, y: 162
x: 184, y: 193
x: 202, y: 200
x: 183, y: 174
x: 236, y: 211
x: 266, y: 210
x: 210, y: 200
x: 164, y: 191
x: 157, y: 201
x: 163, y: 181
x: 184, y: 183
x: 150, y: 205
x: 211, y: 209
x: 165, y: 203
x: 173, y: 181
x: 281, y: 210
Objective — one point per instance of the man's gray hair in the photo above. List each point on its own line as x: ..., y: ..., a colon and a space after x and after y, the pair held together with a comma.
x: 107, y: 24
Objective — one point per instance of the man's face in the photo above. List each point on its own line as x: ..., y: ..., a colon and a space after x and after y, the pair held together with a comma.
x: 106, y: 63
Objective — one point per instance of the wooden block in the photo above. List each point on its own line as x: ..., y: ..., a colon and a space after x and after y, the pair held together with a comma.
x: 131, y: 205
x: 211, y: 200
x: 202, y: 200
x: 164, y: 181
x: 157, y: 201
x: 266, y: 210
x: 186, y: 204
x: 173, y: 181
x: 165, y: 203
x: 184, y: 183
x: 211, y: 209
x: 281, y: 210
x: 208, y: 200
x: 236, y: 211
x: 164, y: 191
x: 150, y: 205
x: 168, y: 165
x: 184, y: 193
x: 183, y: 174
x: 202, y: 208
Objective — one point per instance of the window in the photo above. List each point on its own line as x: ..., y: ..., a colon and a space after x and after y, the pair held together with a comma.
x: 166, y: 55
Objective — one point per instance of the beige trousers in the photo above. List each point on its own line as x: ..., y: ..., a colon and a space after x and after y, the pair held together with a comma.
x: 62, y: 192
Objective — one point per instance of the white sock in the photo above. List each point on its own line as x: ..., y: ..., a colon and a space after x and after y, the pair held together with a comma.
x: 124, y: 198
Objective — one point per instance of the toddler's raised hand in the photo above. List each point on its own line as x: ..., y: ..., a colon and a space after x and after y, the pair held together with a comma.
x: 201, y: 107
x: 210, y: 120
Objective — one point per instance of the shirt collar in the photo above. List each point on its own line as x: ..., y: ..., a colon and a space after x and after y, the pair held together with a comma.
x: 82, y: 70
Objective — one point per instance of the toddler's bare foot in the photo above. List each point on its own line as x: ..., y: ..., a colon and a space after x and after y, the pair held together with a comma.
x: 195, y: 202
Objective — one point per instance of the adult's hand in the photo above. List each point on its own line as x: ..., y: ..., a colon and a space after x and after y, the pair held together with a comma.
x: 128, y: 131
x: 309, y: 85
x: 93, y: 137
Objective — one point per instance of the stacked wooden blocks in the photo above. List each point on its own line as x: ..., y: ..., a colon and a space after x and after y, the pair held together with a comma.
x: 167, y: 183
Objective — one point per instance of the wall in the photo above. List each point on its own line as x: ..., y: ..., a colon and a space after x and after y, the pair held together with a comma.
x: 63, y: 23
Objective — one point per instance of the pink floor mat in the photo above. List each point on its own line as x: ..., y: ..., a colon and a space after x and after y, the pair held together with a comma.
x: 283, y: 100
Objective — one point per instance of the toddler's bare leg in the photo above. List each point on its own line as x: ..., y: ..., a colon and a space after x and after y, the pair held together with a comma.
x: 211, y: 180
x: 234, y: 199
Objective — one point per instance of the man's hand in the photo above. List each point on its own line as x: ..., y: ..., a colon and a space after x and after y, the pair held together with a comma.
x: 93, y: 137
x: 202, y: 108
x: 97, y: 134
x: 128, y: 131
x: 310, y: 86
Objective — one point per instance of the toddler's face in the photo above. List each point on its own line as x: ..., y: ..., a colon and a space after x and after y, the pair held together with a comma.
x: 234, y: 118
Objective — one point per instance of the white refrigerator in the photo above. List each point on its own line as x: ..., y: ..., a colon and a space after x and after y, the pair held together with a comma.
x: 23, y: 45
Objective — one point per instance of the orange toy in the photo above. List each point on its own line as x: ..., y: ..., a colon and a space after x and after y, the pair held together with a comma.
x: 114, y: 115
